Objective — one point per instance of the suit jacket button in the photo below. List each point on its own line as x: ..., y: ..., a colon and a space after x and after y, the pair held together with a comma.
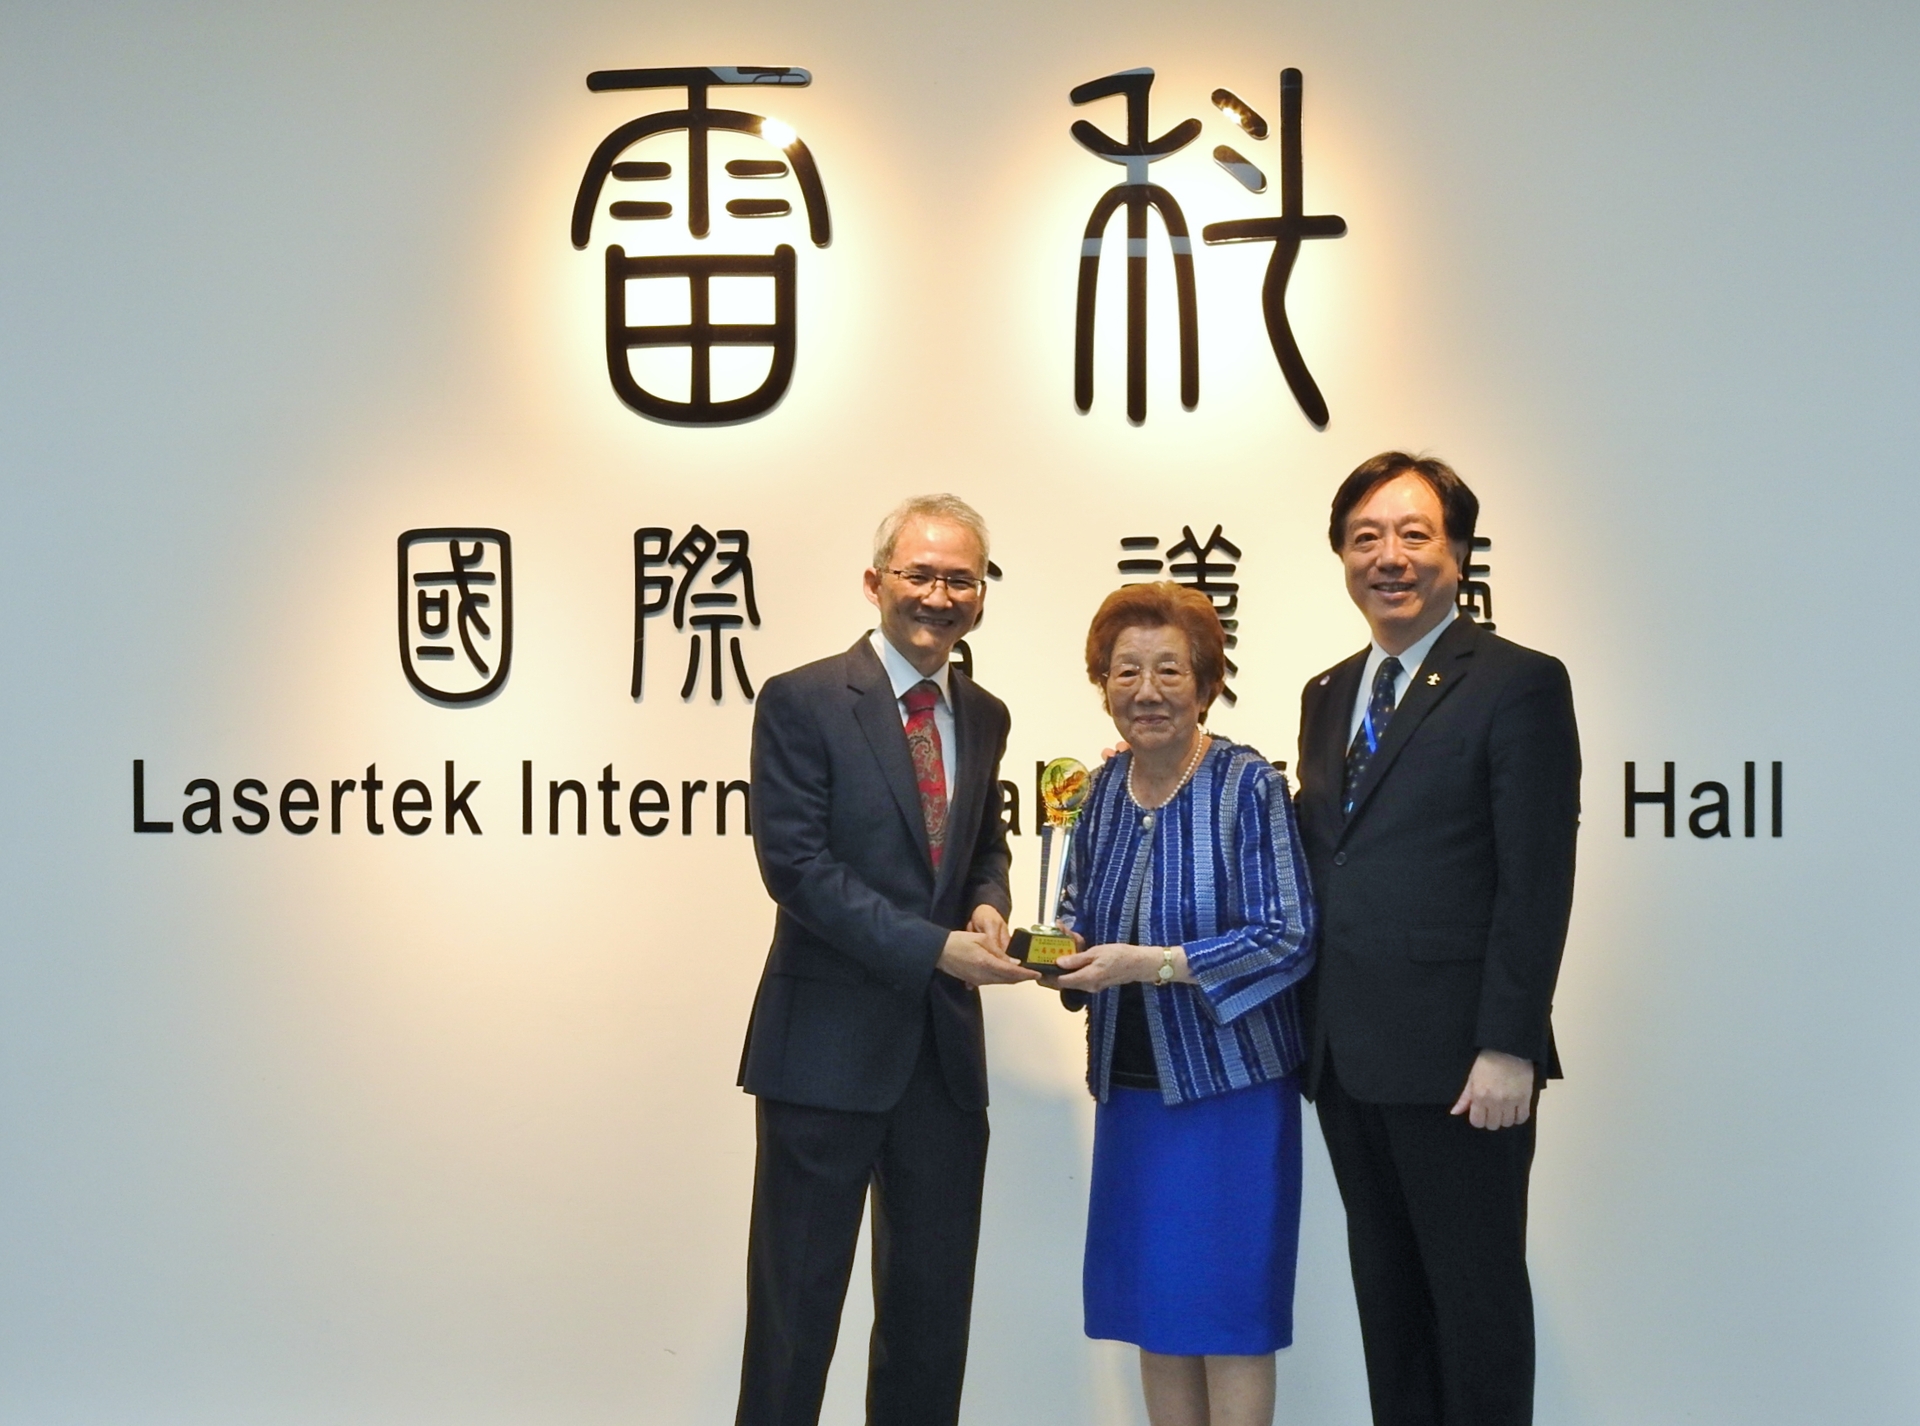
x: 1339, y: 858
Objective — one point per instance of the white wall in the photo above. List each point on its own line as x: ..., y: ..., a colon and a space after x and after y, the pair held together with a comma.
x: 443, y: 1129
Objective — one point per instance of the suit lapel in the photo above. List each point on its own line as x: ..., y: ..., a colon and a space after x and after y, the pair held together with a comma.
x: 1325, y: 774
x: 1445, y: 668
x: 963, y: 809
x: 877, y: 712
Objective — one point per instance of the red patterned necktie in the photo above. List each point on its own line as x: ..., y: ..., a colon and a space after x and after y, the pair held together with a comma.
x: 929, y: 770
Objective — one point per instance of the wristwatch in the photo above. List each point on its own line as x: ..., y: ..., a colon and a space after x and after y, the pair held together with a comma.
x: 1165, y: 974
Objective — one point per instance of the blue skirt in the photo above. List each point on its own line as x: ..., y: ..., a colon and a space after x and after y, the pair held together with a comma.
x: 1193, y: 1228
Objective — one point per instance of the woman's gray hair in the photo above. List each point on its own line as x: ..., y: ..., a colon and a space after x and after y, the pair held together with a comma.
x: 926, y: 507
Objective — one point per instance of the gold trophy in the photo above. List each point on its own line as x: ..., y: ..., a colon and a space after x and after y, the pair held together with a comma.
x: 1064, y: 785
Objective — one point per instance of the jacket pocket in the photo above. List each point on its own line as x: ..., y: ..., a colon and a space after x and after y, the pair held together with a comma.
x: 1447, y: 944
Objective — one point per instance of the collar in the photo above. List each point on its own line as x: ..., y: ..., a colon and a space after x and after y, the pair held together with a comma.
x: 1416, y: 654
x: 903, y: 675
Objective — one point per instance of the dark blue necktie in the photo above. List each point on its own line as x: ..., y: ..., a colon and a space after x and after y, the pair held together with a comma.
x: 1373, y: 727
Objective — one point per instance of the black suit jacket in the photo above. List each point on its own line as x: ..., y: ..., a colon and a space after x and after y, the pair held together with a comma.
x: 1444, y: 897
x: 850, y: 986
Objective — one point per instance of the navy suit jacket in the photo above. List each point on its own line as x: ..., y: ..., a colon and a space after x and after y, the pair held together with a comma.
x: 1444, y: 896
x: 850, y: 987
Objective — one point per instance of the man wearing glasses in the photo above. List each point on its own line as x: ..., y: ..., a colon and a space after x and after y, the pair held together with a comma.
x: 879, y: 832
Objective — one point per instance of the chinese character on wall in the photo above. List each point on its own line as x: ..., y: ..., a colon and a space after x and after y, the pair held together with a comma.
x: 1476, y: 595
x: 700, y: 333
x: 456, y: 611
x: 1208, y: 566
x: 1136, y: 152
x: 1286, y: 231
x: 706, y: 578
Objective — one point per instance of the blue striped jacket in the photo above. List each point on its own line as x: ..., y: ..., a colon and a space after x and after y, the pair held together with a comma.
x: 1218, y: 871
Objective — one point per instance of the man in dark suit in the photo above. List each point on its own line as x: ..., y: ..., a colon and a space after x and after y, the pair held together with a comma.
x: 878, y: 825
x: 1440, y: 784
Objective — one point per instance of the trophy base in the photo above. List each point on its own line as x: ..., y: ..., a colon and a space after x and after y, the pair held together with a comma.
x: 1038, y: 947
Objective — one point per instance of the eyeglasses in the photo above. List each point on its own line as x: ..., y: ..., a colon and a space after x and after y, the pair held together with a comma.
x: 922, y: 581
x: 1129, y: 676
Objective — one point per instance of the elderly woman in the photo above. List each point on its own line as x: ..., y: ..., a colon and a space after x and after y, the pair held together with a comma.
x: 1187, y: 894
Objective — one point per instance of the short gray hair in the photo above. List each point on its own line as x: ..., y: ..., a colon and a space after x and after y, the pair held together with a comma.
x: 950, y: 508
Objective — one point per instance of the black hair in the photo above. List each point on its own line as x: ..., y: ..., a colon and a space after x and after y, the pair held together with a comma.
x: 1459, y: 506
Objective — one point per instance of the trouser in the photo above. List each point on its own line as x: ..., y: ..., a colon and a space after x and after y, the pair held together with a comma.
x: 924, y: 1159
x: 1437, y: 1236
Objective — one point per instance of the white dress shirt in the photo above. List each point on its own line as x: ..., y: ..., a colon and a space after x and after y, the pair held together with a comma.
x: 1410, y: 661
x: 903, y: 676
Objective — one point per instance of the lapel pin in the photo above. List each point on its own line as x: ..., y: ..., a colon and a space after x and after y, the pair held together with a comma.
x: 1433, y: 680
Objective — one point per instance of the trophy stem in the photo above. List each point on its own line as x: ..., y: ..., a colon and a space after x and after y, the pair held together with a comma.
x: 1046, y: 868
x: 1066, y: 850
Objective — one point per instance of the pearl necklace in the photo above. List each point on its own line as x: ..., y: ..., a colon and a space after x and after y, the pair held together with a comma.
x: 1200, y: 745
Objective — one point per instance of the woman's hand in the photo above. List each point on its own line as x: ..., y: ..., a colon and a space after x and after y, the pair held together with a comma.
x: 1116, y: 964
x: 1050, y: 975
